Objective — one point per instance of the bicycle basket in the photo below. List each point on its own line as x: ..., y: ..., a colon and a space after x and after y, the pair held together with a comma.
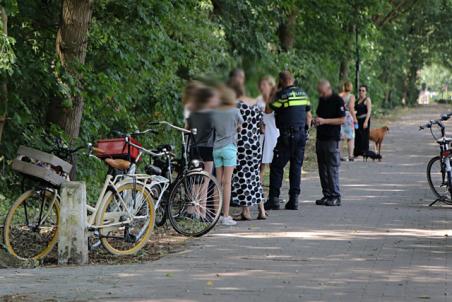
x: 117, y: 148
x: 41, y: 166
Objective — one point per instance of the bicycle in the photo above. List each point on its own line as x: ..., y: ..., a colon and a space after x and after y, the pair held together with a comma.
x: 122, y: 218
x: 192, y: 200
x: 439, y: 168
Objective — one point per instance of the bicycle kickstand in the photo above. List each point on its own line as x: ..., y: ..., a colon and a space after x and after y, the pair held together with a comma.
x: 441, y: 199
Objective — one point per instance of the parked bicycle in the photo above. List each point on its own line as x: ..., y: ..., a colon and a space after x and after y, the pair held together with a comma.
x: 439, y: 168
x: 185, y: 194
x: 122, y: 218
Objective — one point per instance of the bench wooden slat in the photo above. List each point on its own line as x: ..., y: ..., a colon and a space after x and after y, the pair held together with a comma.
x: 45, y: 157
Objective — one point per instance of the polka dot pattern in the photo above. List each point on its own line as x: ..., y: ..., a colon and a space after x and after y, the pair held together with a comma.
x: 246, y: 183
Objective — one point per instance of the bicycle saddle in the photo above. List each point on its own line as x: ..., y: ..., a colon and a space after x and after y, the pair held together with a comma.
x: 120, y: 164
x: 153, y: 170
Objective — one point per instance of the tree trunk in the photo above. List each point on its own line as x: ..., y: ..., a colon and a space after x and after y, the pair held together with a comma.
x: 405, y: 92
x: 343, y: 70
x: 413, y: 92
x: 412, y: 89
x: 347, y: 52
x: 71, y: 45
x: 3, y: 79
x: 286, y: 31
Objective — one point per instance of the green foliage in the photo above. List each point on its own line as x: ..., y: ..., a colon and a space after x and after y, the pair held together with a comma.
x: 141, y: 53
x: 7, y: 56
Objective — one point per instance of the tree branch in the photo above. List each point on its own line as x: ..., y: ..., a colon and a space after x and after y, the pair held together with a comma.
x: 399, y: 9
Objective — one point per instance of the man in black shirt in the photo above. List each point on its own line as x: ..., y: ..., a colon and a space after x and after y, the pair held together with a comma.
x: 330, y: 117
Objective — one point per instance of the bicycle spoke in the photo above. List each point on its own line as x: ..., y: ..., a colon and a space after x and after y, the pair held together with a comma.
x: 194, y: 204
x: 31, y: 225
x: 129, y: 215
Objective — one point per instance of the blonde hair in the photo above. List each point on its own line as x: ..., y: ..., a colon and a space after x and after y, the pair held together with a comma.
x: 269, y: 79
x: 347, y: 86
x: 228, y: 97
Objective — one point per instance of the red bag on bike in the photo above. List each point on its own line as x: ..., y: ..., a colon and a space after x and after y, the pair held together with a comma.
x: 117, y: 148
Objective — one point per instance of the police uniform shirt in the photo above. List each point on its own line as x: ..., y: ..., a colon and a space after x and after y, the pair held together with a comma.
x: 290, y: 106
x: 330, y: 107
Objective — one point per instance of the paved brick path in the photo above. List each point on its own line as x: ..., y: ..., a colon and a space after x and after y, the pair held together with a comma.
x: 383, y: 244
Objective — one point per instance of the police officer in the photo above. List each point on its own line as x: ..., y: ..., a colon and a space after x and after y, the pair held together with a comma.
x: 292, y: 113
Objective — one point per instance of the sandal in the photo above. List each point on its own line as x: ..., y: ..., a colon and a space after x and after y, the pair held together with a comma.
x: 245, y: 218
x: 262, y: 216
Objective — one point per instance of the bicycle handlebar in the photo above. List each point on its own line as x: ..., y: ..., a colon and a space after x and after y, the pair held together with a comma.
x: 444, y: 117
x: 183, y: 130
x: 439, y: 123
x: 135, y: 133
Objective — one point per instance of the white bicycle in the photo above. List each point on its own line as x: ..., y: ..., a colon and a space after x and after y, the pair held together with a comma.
x: 122, y: 218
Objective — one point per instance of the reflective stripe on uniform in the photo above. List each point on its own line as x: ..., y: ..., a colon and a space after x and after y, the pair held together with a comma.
x: 297, y: 101
x: 291, y: 103
x: 292, y: 100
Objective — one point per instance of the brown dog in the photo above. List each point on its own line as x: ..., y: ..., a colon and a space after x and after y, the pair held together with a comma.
x: 377, y: 135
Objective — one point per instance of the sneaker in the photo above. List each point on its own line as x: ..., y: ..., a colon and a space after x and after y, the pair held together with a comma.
x: 227, y: 221
x: 344, y: 159
x: 333, y: 202
x: 351, y: 159
x: 321, y: 201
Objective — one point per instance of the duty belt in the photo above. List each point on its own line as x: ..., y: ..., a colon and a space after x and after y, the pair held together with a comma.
x: 292, y: 129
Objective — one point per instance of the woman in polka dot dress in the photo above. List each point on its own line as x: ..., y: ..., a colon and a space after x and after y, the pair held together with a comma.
x: 246, y: 184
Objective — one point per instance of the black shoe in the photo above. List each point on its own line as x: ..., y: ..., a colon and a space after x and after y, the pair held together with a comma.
x: 292, y: 204
x: 332, y: 202
x: 272, y: 204
x: 321, y: 201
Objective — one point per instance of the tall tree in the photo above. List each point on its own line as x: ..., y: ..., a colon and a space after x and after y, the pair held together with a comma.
x: 286, y: 29
x: 71, y: 46
x: 3, y: 79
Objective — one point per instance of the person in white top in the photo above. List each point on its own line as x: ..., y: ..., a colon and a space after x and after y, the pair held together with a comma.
x: 267, y: 86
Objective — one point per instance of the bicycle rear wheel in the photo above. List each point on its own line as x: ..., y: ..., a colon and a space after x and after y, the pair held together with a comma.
x: 438, y: 179
x: 31, y: 226
x: 130, y: 202
x: 195, y: 204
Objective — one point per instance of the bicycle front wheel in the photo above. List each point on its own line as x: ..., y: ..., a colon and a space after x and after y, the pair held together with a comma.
x: 31, y: 226
x: 438, y: 179
x: 195, y: 204
x: 126, y: 219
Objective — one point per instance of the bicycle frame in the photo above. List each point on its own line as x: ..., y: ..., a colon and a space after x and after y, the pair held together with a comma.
x: 111, y: 184
x: 158, y: 180
x: 445, y: 155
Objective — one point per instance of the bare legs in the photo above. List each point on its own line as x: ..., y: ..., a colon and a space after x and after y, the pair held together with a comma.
x: 224, y: 175
x: 208, y: 166
x: 350, y: 147
x: 262, y: 213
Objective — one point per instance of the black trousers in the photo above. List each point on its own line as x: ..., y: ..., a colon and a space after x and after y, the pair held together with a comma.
x: 328, y: 159
x: 361, y: 138
x: 290, y: 147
